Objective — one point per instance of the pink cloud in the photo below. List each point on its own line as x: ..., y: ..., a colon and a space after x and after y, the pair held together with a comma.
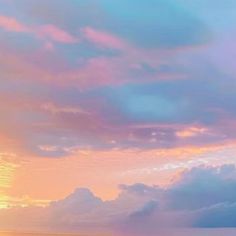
x: 46, y: 32
x: 56, y: 34
x: 96, y: 72
x: 103, y: 39
x: 11, y: 24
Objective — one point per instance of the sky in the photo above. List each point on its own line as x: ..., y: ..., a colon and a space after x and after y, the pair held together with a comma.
x: 117, y: 114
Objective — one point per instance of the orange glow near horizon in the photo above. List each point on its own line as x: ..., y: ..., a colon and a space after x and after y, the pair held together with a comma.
x: 54, y: 179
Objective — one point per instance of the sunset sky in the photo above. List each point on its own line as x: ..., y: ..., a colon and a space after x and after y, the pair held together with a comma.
x: 117, y: 98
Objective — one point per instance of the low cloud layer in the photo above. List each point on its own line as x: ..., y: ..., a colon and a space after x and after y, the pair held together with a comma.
x: 202, y: 197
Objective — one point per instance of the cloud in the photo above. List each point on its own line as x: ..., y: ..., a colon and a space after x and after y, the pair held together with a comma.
x: 202, y: 188
x: 143, y: 115
x: 103, y: 39
x: 153, y: 24
x: 56, y: 34
x: 135, y: 66
x: 46, y: 32
x: 163, y: 23
x: 203, y: 197
x: 191, y: 132
x: 52, y: 108
x: 218, y: 216
x: 11, y: 24
x: 82, y: 198
x: 199, y: 199
x: 123, y: 75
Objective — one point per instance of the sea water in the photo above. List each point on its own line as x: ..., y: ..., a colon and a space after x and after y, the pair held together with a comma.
x: 176, y: 232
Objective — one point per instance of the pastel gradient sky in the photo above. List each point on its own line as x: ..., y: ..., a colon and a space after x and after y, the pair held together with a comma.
x: 99, y: 95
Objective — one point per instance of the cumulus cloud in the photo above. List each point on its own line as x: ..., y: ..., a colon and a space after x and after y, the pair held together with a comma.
x: 203, y: 188
x: 199, y: 199
x: 221, y: 215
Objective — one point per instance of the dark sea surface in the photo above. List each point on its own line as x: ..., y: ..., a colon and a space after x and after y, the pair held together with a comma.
x: 182, y: 232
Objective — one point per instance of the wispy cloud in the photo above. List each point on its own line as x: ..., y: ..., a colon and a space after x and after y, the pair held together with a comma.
x: 11, y: 24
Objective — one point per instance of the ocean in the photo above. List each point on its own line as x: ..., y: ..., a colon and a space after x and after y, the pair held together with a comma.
x: 176, y: 232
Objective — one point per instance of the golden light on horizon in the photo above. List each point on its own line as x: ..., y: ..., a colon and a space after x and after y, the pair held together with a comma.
x: 25, y: 201
x: 6, y: 174
x: 4, y: 201
x: 6, y: 177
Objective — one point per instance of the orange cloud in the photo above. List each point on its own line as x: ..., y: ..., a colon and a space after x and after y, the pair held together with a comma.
x: 191, y: 132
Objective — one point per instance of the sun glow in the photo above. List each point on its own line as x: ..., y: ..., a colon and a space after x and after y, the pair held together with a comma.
x: 25, y: 201
x: 6, y: 173
x: 3, y: 201
x: 6, y: 177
